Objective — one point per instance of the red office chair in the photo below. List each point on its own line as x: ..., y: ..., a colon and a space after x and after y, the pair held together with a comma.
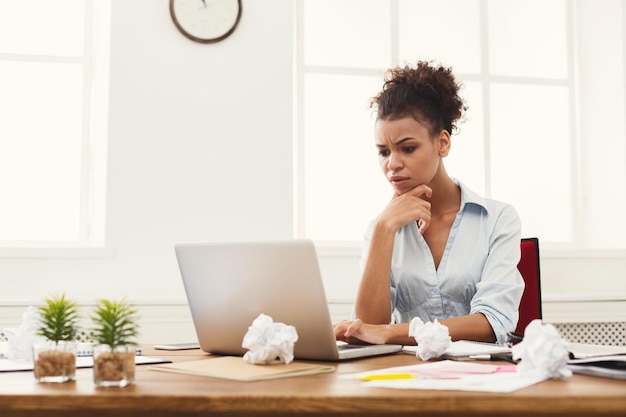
x: 528, y: 266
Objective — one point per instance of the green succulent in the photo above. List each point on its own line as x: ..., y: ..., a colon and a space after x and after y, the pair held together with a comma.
x: 115, y: 323
x: 59, y: 318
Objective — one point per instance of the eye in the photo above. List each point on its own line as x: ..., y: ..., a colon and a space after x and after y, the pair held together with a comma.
x: 383, y: 153
x: 408, y: 149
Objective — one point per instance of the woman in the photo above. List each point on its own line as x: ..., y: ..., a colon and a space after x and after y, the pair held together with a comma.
x: 437, y: 250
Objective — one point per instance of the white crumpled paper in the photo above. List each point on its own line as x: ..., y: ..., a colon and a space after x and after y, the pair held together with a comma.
x: 543, y: 352
x: 21, y: 340
x: 267, y: 341
x: 433, y: 338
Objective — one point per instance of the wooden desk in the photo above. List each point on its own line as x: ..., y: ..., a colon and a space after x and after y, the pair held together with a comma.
x: 156, y: 394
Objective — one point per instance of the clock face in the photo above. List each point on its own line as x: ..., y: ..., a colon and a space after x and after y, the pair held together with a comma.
x: 206, y: 20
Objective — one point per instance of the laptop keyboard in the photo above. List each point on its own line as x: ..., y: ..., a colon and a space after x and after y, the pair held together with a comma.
x: 348, y: 347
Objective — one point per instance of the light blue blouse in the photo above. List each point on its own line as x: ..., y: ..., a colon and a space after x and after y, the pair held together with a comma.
x: 477, y: 273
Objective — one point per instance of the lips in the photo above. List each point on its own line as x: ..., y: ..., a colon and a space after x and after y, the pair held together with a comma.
x: 397, y: 179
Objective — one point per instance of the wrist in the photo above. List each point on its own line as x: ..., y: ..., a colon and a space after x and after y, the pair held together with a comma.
x: 384, y: 226
x: 389, y: 334
x: 398, y: 334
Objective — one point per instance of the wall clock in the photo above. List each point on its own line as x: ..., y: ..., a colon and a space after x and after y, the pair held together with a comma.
x: 206, y: 21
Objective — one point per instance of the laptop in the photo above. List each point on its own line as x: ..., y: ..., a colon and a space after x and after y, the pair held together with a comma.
x: 229, y: 284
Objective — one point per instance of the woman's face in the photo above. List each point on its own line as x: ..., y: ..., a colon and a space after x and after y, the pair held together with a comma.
x: 408, y: 155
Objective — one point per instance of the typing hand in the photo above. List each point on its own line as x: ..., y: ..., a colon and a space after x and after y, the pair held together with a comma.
x: 357, y: 332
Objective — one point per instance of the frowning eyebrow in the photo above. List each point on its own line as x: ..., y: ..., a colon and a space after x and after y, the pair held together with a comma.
x: 400, y: 142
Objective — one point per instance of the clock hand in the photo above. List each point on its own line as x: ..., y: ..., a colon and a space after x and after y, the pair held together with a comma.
x: 212, y: 3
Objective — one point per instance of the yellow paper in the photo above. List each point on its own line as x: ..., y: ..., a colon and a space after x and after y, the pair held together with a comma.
x: 233, y: 367
x: 395, y: 375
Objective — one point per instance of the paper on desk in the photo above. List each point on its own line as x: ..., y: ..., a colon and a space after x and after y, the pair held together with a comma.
x: 463, y: 349
x: 453, y: 375
x: 234, y: 367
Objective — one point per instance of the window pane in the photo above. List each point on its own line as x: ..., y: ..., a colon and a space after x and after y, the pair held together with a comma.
x: 42, y: 27
x: 426, y: 33
x: 345, y: 188
x: 40, y: 150
x: 602, y: 109
x: 528, y: 38
x: 341, y: 33
x: 466, y: 160
x: 531, y: 157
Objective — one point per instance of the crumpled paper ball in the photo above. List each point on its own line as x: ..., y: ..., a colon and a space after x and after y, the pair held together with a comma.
x: 267, y: 341
x: 433, y: 338
x: 21, y: 340
x: 543, y: 352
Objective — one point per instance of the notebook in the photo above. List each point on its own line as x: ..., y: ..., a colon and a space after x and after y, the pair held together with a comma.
x: 611, y: 366
x: 586, y: 350
x: 228, y: 284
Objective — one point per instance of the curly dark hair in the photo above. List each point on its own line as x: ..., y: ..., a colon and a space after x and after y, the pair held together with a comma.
x: 427, y: 92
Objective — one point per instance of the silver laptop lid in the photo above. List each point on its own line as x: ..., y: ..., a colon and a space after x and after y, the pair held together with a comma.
x: 229, y: 284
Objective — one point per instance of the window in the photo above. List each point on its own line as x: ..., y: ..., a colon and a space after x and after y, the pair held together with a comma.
x: 53, y: 75
x: 520, y: 140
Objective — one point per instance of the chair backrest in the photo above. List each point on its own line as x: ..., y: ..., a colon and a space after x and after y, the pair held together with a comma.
x: 528, y: 266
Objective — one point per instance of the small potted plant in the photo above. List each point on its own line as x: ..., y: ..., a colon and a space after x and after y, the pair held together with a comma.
x: 55, y: 358
x: 114, y: 336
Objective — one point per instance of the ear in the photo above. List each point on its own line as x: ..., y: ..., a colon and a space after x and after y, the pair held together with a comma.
x: 443, y: 141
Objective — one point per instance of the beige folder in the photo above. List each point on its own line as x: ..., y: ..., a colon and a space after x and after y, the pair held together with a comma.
x: 234, y: 367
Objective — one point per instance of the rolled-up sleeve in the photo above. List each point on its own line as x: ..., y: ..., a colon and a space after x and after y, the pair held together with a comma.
x: 500, y: 289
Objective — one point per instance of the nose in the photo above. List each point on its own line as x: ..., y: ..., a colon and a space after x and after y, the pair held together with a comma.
x: 394, y: 162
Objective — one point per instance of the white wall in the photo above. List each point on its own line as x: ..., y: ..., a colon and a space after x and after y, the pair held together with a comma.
x: 200, y: 148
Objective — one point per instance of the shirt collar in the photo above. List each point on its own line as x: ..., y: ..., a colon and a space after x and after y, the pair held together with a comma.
x: 470, y: 197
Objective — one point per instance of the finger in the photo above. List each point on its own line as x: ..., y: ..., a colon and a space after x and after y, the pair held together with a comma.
x: 422, y: 225
x: 421, y: 190
x: 353, y: 328
x: 340, y: 328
